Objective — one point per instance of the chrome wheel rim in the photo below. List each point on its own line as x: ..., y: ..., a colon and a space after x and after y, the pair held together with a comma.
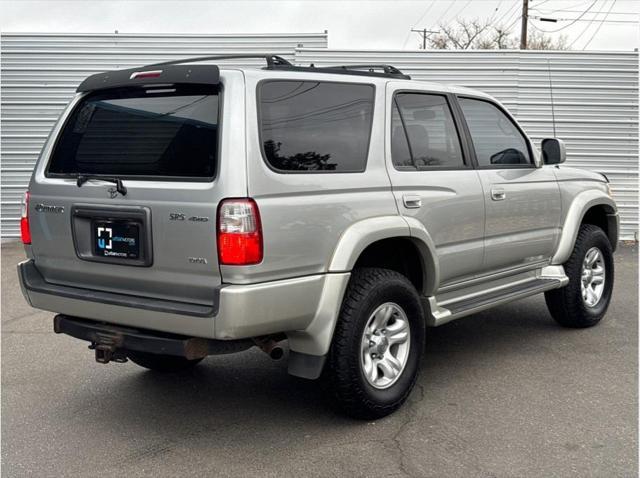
x: 593, y: 277
x: 385, y: 345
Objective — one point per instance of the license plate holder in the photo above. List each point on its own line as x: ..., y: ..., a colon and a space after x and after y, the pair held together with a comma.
x: 86, y: 218
x: 118, y: 239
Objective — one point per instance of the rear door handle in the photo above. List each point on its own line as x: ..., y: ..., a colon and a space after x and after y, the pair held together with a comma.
x: 411, y: 201
x: 498, y: 194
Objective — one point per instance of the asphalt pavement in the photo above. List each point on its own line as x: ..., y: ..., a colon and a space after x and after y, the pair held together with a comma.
x: 504, y: 393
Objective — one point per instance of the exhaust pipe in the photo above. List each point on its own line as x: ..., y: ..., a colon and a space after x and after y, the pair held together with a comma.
x: 269, y: 346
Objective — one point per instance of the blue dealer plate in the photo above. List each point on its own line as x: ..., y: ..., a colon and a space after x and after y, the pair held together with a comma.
x: 116, y: 239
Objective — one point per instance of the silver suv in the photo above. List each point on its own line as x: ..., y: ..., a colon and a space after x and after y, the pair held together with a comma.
x: 185, y: 209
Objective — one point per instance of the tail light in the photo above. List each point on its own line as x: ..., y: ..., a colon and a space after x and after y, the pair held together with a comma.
x: 25, y: 231
x: 239, y: 232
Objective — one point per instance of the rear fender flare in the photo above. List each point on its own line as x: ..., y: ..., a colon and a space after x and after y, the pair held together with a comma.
x: 316, y: 339
x: 363, y: 233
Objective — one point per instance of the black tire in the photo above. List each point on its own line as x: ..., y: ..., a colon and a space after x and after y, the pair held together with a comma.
x: 566, y: 304
x: 162, y: 363
x: 368, y: 289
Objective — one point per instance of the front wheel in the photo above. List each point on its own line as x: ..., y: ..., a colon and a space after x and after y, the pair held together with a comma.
x: 585, y: 299
x: 377, y: 345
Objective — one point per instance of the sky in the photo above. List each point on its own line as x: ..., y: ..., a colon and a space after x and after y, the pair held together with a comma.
x: 357, y: 24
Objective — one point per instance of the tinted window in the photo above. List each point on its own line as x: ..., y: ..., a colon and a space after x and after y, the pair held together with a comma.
x: 496, y: 139
x: 141, y: 133
x: 316, y: 126
x: 430, y: 130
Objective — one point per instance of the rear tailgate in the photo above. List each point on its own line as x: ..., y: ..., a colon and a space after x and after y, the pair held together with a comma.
x: 165, y: 139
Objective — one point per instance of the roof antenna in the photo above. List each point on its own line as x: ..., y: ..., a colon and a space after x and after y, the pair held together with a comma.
x: 553, y: 114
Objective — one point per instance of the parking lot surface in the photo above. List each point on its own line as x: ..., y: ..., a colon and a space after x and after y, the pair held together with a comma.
x: 501, y: 393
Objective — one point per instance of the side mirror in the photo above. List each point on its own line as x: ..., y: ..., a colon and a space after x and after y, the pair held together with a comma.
x: 553, y: 151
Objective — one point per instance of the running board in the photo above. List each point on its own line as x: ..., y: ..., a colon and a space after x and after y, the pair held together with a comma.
x: 455, y: 308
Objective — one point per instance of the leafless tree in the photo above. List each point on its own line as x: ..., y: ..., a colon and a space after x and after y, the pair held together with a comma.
x: 481, y: 35
x: 460, y: 35
x: 537, y: 40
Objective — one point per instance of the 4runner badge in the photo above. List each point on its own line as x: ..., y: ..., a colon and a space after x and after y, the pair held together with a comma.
x: 47, y: 208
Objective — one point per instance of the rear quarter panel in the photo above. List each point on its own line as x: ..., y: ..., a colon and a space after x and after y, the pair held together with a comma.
x: 305, y: 214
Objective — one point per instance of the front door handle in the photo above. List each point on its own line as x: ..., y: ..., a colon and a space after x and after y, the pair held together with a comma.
x: 498, y: 194
x: 411, y: 201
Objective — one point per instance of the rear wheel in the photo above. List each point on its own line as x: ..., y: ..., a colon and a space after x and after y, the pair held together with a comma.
x: 162, y: 363
x: 584, y: 301
x: 377, y: 345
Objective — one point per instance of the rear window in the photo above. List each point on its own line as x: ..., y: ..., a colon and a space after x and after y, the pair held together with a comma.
x: 316, y: 126
x: 168, y: 132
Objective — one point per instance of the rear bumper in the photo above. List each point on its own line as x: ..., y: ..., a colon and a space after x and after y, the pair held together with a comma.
x: 124, y: 338
x: 236, y: 312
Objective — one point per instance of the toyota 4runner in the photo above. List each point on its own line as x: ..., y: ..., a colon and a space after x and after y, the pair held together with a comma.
x: 185, y: 209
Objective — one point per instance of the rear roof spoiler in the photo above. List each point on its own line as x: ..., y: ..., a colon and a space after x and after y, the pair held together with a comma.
x: 152, y: 75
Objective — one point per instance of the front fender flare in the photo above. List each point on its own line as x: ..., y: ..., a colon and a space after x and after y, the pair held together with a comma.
x: 580, y: 205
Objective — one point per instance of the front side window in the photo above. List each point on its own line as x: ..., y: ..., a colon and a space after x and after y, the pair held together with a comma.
x: 315, y: 126
x: 169, y: 132
x: 497, y: 141
x: 423, y: 133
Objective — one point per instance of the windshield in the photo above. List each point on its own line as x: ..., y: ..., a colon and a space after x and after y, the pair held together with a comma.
x: 159, y: 132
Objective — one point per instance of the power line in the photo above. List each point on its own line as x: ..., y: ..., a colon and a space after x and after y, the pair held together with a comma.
x: 600, y: 26
x: 581, y: 4
x: 590, y: 20
x: 587, y: 27
x: 574, y: 19
x: 516, y: 20
x: 446, y: 11
x: 508, y: 12
x: 542, y: 2
x: 463, y: 7
x: 580, y: 11
x: 495, y: 12
x: 424, y: 33
x: 426, y: 10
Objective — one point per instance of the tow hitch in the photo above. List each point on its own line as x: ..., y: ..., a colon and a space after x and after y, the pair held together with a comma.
x: 108, y: 353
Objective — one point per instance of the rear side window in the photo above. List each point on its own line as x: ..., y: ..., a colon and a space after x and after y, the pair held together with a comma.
x: 169, y: 132
x: 497, y: 141
x: 423, y: 132
x: 315, y: 126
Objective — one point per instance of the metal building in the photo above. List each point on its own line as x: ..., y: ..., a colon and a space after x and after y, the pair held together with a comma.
x: 40, y: 73
x: 595, y: 94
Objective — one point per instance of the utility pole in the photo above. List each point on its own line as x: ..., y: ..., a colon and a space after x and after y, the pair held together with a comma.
x: 424, y: 33
x: 525, y: 20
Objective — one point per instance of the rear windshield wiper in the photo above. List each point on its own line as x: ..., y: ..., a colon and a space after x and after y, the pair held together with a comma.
x: 83, y: 178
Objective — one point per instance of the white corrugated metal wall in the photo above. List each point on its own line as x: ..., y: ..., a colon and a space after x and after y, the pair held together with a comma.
x: 40, y: 73
x: 595, y: 93
x: 595, y: 96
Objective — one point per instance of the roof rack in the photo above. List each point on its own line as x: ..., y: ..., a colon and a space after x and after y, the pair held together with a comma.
x: 275, y: 62
x: 388, y: 71
x: 272, y: 60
